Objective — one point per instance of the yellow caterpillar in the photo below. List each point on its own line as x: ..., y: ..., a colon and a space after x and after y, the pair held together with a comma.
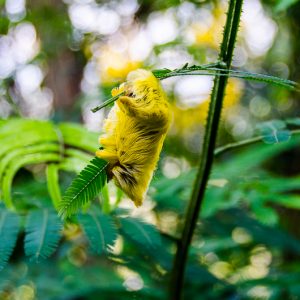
x: 134, y: 133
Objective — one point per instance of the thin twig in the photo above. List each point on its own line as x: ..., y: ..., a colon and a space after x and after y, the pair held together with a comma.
x: 107, y: 102
x: 221, y: 150
x: 232, y: 146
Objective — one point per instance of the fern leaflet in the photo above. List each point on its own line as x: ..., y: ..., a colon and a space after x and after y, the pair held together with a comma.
x: 144, y: 234
x: 9, y: 229
x: 42, y: 233
x: 84, y: 187
x: 100, y: 231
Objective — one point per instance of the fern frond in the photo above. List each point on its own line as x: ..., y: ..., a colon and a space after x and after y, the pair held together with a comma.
x: 14, y: 126
x: 142, y: 233
x: 9, y: 229
x: 43, y: 231
x: 100, y: 231
x: 22, y: 151
x: 77, y: 136
x: 37, y: 132
x: 18, y: 164
x: 84, y: 187
x: 79, y: 154
x: 75, y: 160
x: 53, y: 184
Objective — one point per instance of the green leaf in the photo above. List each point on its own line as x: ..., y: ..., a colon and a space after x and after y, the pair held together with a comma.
x: 77, y: 136
x: 279, y: 185
x: 274, y: 132
x: 290, y: 201
x: 172, y: 194
x: 284, y: 4
x: 277, y: 137
x: 9, y: 229
x: 100, y: 231
x: 83, y: 156
x: 84, y: 188
x: 142, y: 233
x: 17, y: 153
x: 266, y: 215
x: 43, y: 232
x: 15, y: 133
x: 293, y: 121
x: 17, y: 164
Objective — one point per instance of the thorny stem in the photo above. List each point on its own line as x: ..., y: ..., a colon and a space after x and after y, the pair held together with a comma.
x: 226, y: 53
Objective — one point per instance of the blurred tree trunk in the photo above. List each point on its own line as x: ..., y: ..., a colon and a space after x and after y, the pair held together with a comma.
x: 64, y: 66
x: 63, y: 78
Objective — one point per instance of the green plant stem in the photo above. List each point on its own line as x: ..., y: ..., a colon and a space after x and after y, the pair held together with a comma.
x: 104, y: 200
x: 107, y: 102
x: 226, y: 53
x: 53, y: 184
x: 232, y: 146
x: 221, y: 150
x: 197, y: 70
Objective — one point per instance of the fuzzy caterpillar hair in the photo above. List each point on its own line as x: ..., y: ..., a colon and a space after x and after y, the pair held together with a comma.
x: 134, y: 133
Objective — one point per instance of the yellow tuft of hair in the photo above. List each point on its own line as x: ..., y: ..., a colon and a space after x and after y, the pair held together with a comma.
x: 135, y: 130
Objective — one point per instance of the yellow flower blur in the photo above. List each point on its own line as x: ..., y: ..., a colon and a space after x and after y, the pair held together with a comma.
x: 114, y: 66
x: 210, y: 35
x: 187, y: 118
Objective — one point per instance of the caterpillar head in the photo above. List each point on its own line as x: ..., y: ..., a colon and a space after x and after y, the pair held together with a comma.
x: 140, y: 84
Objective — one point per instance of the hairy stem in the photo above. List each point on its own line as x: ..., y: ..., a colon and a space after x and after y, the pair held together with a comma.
x: 225, y: 57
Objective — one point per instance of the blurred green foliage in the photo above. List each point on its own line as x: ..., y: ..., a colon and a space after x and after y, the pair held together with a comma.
x: 246, y: 244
